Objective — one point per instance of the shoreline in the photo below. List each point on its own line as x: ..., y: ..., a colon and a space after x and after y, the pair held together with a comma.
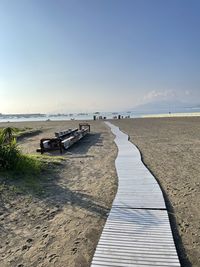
x: 172, y: 115
x: 108, y: 116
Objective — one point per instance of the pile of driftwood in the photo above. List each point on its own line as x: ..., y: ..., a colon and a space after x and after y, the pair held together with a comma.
x: 64, y: 139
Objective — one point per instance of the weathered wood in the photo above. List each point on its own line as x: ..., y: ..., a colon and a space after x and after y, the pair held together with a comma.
x: 64, y: 139
x: 84, y: 125
x: 63, y: 134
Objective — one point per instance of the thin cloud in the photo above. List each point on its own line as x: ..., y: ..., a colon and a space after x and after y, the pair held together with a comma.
x: 160, y: 95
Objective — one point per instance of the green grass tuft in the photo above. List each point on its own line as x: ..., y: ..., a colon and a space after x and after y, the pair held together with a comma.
x: 23, y: 172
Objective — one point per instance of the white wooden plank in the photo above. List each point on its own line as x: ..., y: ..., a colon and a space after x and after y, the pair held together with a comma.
x: 137, y: 231
x: 136, y: 238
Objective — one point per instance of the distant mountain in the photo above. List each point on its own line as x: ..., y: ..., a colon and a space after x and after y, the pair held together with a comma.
x: 196, y: 106
x: 163, y: 107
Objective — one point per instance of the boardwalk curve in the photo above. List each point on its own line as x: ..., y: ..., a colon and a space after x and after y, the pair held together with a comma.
x: 137, y: 231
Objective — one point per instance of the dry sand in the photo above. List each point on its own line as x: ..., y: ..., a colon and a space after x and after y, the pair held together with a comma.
x: 170, y: 148
x: 61, y: 227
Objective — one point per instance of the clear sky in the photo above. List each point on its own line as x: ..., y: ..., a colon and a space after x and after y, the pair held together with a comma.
x: 89, y: 55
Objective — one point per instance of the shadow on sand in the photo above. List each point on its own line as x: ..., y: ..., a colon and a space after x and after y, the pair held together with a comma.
x: 55, y: 194
x: 81, y: 148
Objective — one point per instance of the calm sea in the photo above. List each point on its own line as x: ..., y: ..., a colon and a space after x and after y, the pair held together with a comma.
x: 90, y: 116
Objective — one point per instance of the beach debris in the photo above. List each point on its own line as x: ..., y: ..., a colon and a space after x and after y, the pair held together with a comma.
x: 64, y: 139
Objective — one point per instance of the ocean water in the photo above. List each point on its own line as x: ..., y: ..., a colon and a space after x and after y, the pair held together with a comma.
x: 56, y: 117
x: 90, y: 116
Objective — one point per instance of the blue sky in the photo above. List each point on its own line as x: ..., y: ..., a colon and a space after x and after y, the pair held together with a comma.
x: 61, y: 56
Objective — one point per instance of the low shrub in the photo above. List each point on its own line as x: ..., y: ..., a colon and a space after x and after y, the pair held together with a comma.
x: 9, y: 155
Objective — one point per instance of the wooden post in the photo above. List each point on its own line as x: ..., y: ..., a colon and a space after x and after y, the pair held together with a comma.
x: 60, y: 146
x: 81, y: 125
x: 41, y: 146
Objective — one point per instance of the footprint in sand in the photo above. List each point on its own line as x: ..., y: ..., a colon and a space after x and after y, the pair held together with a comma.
x: 52, y: 257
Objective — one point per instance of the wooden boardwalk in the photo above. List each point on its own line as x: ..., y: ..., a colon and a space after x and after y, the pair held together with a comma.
x: 137, y: 231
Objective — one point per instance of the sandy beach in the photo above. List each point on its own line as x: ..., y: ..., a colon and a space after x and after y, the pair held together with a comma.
x: 62, y: 226
x: 170, y: 148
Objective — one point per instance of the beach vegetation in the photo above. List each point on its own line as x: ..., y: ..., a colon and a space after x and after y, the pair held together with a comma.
x: 27, y: 170
x: 18, y: 132
x: 31, y: 174
x: 9, y: 151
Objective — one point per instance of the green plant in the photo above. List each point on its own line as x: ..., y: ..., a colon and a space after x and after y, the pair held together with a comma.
x: 26, y: 171
x: 9, y: 151
x: 9, y: 156
x: 7, y: 135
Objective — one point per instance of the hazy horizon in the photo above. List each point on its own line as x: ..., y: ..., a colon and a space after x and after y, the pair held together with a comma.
x: 85, y: 56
